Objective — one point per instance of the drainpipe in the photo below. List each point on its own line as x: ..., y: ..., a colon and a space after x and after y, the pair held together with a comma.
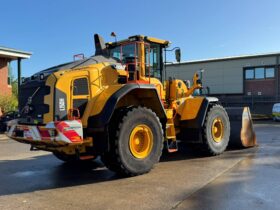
x: 277, y: 77
x: 19, y: 75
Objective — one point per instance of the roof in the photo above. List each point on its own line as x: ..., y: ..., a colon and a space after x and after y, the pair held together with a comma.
x: 229, y: 58
x: 141, y: 38
x: 13, y: 54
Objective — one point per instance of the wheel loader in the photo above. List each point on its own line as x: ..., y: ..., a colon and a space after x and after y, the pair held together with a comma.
x: 119, y: 105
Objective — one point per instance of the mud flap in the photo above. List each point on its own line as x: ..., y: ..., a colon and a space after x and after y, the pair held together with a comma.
x: 242, y: 132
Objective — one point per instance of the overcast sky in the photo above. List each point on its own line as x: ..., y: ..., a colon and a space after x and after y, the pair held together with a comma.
x: 55, y: 30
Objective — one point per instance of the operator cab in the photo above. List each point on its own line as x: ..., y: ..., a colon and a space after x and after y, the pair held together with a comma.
x: 142, y: 56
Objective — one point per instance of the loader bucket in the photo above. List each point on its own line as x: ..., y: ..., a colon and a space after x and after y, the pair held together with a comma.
x: 242, y: 132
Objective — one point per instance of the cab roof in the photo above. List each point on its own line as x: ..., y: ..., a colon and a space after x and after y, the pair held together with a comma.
x: 165, y: 43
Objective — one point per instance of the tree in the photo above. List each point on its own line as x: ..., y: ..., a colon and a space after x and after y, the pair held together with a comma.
x: 14, y: 83
x: 8, y: 103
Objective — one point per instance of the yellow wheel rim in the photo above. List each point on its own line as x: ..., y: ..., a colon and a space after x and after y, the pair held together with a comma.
x: 141, y: 141
x: 217, y: 130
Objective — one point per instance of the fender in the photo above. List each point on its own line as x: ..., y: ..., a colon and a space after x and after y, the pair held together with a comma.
x: 97, y: 122
x: 98, y: 125
x: 191, y: 129
x: 200, y: 118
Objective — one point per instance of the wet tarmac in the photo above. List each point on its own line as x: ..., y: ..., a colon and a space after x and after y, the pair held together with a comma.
x: 238, y: 179
x: 254, y: 183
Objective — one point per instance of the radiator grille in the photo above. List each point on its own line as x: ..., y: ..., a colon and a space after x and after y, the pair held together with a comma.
x: 32, y: 94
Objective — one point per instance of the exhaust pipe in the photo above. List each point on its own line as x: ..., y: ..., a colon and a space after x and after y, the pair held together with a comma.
x: 242, y: 132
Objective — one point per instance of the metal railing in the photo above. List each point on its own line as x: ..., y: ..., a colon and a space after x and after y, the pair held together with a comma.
x: 257, y: 104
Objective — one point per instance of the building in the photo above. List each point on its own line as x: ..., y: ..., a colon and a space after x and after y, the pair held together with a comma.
x: 249, y: 80
x: 7, y: 55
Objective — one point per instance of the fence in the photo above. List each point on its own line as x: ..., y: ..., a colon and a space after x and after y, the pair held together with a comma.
x: 257, y: 104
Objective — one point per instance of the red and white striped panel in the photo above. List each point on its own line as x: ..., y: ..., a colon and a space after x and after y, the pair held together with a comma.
x: 69, y: 131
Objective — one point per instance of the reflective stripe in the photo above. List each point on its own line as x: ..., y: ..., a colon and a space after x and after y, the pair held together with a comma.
x: 70, y: 130
x: 67, y: 131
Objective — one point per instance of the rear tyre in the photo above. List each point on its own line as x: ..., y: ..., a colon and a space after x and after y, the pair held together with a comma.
x: 137, y: 143
x: 109, y: 158
x: 216, y: 130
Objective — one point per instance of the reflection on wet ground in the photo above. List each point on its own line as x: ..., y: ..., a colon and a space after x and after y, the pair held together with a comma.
x: 252, y: 184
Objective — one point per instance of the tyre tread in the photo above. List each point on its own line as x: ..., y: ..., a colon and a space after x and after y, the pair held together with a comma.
x: 116, y: 164
x: 206, y: 144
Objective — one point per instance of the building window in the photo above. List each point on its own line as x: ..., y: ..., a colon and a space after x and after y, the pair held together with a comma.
x: 10, y: 70
x: 9, y: 80
x: 249, y: 74
x: 269, y: 72
x: 259, y: 73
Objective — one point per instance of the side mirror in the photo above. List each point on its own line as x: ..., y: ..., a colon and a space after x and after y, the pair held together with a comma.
x: 178, y: 55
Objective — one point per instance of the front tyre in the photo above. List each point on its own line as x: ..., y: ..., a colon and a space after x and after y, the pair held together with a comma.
x: 138, y: 142
x: 216, y: 130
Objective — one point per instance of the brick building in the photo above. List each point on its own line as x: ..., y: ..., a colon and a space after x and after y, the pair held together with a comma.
x: 5, y: 88
x: 7, y: 55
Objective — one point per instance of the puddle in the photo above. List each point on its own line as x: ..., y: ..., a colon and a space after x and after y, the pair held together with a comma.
x: 27, y: 173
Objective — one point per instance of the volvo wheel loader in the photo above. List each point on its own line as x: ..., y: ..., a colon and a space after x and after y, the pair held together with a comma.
x: 119, y: 105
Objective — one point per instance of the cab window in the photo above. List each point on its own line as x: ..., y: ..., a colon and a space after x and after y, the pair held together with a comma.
x: 152, y: 60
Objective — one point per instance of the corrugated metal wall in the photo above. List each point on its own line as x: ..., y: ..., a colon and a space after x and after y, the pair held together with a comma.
x: 223, y: 77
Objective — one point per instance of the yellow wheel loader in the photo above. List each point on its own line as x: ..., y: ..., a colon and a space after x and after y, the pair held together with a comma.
x: 119, y: 105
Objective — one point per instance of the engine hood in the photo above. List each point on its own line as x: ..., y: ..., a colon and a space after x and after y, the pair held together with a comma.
x: 70, y: 65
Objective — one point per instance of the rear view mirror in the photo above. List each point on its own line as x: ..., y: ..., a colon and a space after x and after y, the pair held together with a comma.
x: 178, y: 55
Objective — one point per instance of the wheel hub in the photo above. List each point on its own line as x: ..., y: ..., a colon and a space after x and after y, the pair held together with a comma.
x: 217, y: 130
x: 141, y: 141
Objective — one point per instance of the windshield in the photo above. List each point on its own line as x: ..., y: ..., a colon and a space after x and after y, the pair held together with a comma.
x: 127, y: 54
x: 123, y: 52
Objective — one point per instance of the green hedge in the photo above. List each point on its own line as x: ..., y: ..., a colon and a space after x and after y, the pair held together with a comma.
x: 8, y: 103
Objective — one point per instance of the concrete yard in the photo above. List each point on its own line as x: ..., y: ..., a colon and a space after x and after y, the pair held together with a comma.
x: 237, y: 179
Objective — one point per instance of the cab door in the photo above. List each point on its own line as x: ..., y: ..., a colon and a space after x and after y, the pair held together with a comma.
x: 80, y: 94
